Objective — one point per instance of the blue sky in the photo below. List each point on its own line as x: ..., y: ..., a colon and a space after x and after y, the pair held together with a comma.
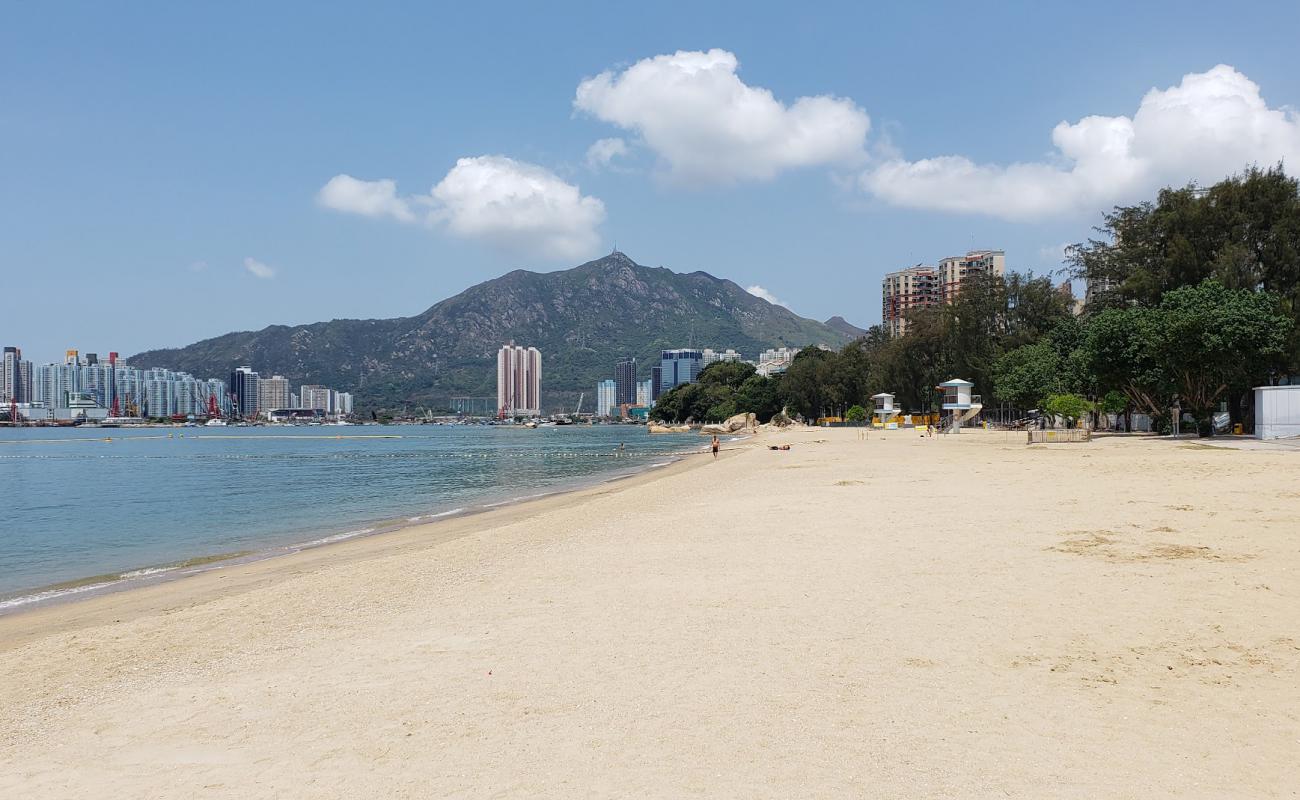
x: 156, y: 158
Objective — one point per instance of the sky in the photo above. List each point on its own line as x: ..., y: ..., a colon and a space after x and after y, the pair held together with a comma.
x: 174, y: 171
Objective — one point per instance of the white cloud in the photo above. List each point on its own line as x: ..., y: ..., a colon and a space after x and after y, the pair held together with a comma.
x: 511, y: 205
x: 759, y: 291
x: 367, y: 198
x: 603, y: 151
x: 259, y: 270
x: 708, y: 126
x: 1209, y: 126
x: 518, y: 207
x: 198, y: 266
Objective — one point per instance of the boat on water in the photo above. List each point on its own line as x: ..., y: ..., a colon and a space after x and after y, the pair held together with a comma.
x: 215, y: 422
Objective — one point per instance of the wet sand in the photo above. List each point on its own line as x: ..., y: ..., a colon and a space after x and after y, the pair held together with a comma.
x: 957, y: 617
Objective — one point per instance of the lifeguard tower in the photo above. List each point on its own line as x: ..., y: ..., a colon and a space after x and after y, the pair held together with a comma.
x: 885, y: 410
x: 958, y: 400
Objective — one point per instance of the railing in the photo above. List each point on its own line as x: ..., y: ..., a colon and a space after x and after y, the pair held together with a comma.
x: 1053, y: 436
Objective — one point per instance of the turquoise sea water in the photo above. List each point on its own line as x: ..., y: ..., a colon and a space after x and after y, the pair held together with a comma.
x: 128, y: 504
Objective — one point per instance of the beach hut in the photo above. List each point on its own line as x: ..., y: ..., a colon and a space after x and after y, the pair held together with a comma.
x: 1277, y: 412
x: 885, y: 410
x: 958, y: 400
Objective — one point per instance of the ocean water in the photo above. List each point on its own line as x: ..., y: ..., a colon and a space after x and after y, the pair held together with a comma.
x: 82, y: 509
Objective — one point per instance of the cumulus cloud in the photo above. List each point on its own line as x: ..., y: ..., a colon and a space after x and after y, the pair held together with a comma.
x: 759, y: 291
x: 708, y: 127
x: 259, y: 270
x: 511, y: 205
x: 518, y: 206
x: 603, y: 151
x: 367, y: 198
x: 1210, y: 125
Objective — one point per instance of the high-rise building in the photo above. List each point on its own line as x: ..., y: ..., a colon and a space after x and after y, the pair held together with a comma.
x: 625, y: 381
x: 9, y: 377
x: 905, y: 291
x: 954, y: 270
x: 908, y: 290
x: 714, y: 356
x: 656, y: 382
x: 15, y: 377
x: 343, y: 404
x: 644, y: 393
x: 314, y: 396
x: 243, y: 390
x: 678, y: 367
x: 606, y: 406
x: 519, y: 380
x: 272, y: 393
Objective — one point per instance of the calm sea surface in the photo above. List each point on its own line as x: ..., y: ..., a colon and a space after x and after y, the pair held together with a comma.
x: 120, y: 503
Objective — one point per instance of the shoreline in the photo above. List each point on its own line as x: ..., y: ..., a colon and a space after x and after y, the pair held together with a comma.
x: 137, y: 589
x: 81, y: 588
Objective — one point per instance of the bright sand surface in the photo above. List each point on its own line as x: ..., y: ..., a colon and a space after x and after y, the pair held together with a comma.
x: 956, y: 617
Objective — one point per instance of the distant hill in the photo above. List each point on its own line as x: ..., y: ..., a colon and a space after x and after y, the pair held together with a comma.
x: 582, y: 319
x: 841, y: 325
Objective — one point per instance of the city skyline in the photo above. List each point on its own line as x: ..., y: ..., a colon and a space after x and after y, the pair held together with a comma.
x: 364, y: 197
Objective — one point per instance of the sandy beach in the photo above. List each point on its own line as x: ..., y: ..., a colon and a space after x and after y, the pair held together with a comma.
x: 962, y: 616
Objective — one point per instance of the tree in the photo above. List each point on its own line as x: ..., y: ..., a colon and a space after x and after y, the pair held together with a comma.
x: 758, y: 395
x: 855, y: 414
x: 1070, y: 406
x: 807, y: 386
x: 1199, y: 344
x: 1215, y: 339
x: 1026, y: 376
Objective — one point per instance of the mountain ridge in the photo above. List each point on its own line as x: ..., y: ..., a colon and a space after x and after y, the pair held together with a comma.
x: 582, y: 319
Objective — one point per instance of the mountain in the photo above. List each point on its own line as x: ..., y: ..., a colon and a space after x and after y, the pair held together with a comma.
x: 840, y: 324
x: 581, y: 319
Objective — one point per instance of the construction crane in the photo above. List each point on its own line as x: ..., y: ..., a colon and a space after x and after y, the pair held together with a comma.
x: 578, y: 410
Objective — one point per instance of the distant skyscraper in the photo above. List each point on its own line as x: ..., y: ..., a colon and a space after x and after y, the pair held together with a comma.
x: 656, y: 382
x: 272, y: 393
x: 313, y: 396
x: 644, y: 393
x: 519, y: 380
x: 625, y: 381
x: 15, y: 377
x: 606, y: 405
x: 712, y: 356
x: 678, y: 367
x: 243, y: 387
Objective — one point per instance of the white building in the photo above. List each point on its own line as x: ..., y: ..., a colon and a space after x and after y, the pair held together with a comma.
x: 605, y: 399
x: 519, y: 381
x: 272, y: 393
x: 710, y: 356
x: 1277, y: 412
x: 644, y: 393
x: 775, y: 360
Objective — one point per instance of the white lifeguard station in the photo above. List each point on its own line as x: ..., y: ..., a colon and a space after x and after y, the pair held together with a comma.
x: 885, y: 410
x: 957, y: 398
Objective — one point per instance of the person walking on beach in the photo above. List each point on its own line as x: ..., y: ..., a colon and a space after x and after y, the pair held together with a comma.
x: 715, y: 448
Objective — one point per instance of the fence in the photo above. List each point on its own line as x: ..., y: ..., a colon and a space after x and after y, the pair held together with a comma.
x: 1053, y: 436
